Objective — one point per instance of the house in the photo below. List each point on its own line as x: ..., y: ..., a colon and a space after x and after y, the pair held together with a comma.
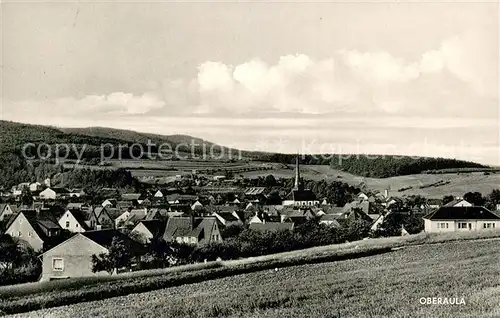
x: 33, y: 229
x: 196, y: 205
x: 7, y: 210
x: 461, y: 218
x: 457, y: 202
x: 271, y: 226
x: 74, y: 221
x: 362, y: 196
x: 330, y: 220
x: 109, y: 203
x: 73, y: 257
x: 300, y: 196
x: 76, y: 193
x: 130, y: 197
x: 148, y: 229
x: 103, y: 217
x: 136, y: 215
x: 54, y: 193
x: 434, y: 203
x: 379, y: 221
x: 192, y: 230
x: 227, y: 218
x: 120, y: 220
x: 35, y: 186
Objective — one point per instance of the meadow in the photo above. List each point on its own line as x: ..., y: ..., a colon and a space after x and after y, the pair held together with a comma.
x: 384, y: 285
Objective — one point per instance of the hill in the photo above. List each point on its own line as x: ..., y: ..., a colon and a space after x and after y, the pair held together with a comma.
x: 16, y: 134
x: 386, y: 285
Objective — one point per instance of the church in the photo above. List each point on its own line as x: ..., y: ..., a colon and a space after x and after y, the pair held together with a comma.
x: 300, y: 196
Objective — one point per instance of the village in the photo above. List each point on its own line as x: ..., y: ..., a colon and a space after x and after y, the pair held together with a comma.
x: 66, y: 232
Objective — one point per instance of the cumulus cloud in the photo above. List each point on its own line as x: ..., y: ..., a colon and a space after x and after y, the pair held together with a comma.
x: 458, y: 74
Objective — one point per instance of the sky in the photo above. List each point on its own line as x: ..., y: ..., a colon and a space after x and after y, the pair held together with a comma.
x: 378, y: 77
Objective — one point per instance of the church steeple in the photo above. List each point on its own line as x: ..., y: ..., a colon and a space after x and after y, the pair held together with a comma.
x: 297, y: 173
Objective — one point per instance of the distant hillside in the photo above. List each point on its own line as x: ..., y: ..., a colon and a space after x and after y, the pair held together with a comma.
x: 14, y: 135
x: 133, y: 136
x: 377, y: 166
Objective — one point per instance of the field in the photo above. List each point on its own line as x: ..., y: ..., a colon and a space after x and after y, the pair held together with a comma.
x: 385, y: 285
x: 428, y: 185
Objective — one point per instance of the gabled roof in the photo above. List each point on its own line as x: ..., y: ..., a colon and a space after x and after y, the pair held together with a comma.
x: 462, y: 213
x: 255, y: 191
x: 130, y: 196
x: 183, y: 226
x: 80, y: 217
x: 455, y: 202
x: 60, y: 190
x: 40, y: 222
x: 228, y: 216
x: 301, y: 195
x: 271, y: 226
x: 105, y: 238
x: 156, y: 227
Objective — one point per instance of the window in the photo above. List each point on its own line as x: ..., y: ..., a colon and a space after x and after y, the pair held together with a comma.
x: 30, y: 234
x: 67, y: 223
x: 76, y: 224
x: 19, y: 233
x: 442, y: 225
x: 57, y: 264
x: 193, y: 240
x: 488, y: 225
x: 462, y: 225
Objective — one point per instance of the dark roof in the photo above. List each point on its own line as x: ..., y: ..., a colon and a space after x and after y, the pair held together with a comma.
x: 462, y: 212
x: 154, y: 226
x: 301, y: 195
x: 271, y: 226
x: 182, y: 226
x: 41, y: 223
x: 105, y: 238
x: 228, y: 216
x: 80, y: 217
x: 60, y: 190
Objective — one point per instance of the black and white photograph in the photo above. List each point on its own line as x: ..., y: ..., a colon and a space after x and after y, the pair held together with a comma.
x: 224, y: 158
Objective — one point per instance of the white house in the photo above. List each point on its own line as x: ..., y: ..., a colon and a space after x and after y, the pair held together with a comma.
x: 461, y: 219
x: 48, y: 194
x: 362, y: 196
x: 35, y: 186
x: 73, y: 221
x: 53, y: 193
x: 122, y: 218
x: 458, y: 202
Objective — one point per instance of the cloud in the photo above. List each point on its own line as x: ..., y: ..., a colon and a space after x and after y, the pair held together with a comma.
x: 354, y: 81
x: 454, y: 77
x: 114, y: 104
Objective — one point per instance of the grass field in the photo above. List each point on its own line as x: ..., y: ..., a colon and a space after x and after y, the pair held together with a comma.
x: 451, y: 183
x: 35, y: 296
x: 459, y: 183
x: 386, y: 285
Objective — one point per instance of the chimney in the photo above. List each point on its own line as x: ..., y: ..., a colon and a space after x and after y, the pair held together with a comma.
x: 386, y: 193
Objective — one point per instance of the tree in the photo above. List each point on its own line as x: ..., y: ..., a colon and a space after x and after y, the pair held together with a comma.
x: 26, y: 197
x: 475, y: 198
x: 447, y: 199
x: 118, y: 256
x: 270, y: 181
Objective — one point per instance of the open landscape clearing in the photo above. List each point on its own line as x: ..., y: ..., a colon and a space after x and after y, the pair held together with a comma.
x: 416, y: 184
x: 389, y: 284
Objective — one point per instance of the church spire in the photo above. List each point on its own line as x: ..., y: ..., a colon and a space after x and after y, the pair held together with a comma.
x: 297, y: 173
